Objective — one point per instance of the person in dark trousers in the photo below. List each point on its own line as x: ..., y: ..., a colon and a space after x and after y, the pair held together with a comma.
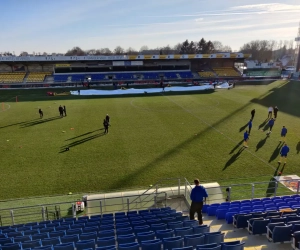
x: 107, y: 118
x: 61, y: 111
x: 250, y: 126
x: 41, y: 113
x: 252, y: 114
x: 65, y: 111
x: 275, y: 111
x: 78, y: 91
x: 246, y: 138
x: 284, y: 152
x: 198, y: 194
x: 271, y: 124
x: 283, y: 133
x: 105, y: 124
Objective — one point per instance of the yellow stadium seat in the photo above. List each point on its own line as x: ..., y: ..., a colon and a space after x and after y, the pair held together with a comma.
x: 206, y: 74
x: 226, y: 71
x: 37, y: 76
x: 8, y: 78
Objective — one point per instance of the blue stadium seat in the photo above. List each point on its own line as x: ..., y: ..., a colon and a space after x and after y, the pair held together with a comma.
x: 47, y: 230
x: 40, y: 236
x: 141, y: 229
x: 194, y: 240
x: 43, y: 248
x: 22, y: 238
x: 6, y: 241
x: 212, y: 246
x: 282, y: 233
x: 183, y: 231
x: 45, y: 222
x: 11, y: 246
x: 154, y: 221
x: 69, y: 238
x: 21, y: 229
x: 200, y: 229
x: 160, y: 234
x: 62, y: 228
x: 14, y: 234
x: 270, y: 228
x: 51, y: 241
x: 60, y: 78
x: 29, y: 224
x: 214, y: 237
x: 91, y: 229
x: 106, y: 241
x: 74, y: 231
x: 31, y: 244
x: 145, y: 236
x: 106, y: 233
x: 183, y: 248
x: 122, y: 225
x: 65, y: 246
x: 38, y: 226
x: 190, y: 223
x: 151, y: 244
x: 176, y: 224
x: 129, y: 246
x: 88, y: 236
x: 124, y: 231
x: 241, y: 220
x: 76, y: 226
x: 57, y: 234
x: 106, y: 227
x: 124, y: 239
x: 172, y: 242
x: 221, y: 213
x: 106, y: 248
x: 85, y: 244
x: 233, y: 245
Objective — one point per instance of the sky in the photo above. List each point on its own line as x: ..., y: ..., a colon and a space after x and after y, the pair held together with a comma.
x: 59, y: 25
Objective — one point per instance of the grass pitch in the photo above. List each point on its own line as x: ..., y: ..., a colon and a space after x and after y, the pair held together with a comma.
x: 151, y: 137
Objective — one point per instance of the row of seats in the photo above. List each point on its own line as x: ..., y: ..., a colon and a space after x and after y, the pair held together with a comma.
x: 146, y: 241
x: 206, y: 74
x: 37, y: 76
x: 172, y: 243
x: 12, y: 77
x: 226, y: 71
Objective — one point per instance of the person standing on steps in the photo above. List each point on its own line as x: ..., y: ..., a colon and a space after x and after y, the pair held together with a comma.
x: 65, y: 111
x: 252, y: 114
x: 61, y: 111
x: 270, y: 111
x: 283, y: 133
x: 105, y: 124
x: 246, y: 138
x: 250, y: 126
x: 198, y: 195
x: 275, y: 112
x: 284, y: 152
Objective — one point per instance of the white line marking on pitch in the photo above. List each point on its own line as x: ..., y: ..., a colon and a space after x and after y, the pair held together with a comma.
x: 8, y: 107
x: 209, y: 125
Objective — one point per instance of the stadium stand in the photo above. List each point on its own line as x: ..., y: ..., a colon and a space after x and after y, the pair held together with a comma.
x: 37, y: 76
x: 206, y: 74
x: 226, y: 71
x: 12, y: 77
x: 61, y: 78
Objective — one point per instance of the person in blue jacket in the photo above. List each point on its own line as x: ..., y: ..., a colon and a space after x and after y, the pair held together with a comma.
x: 271, y: 124
x: 284, y: 152
x: 246, y: 138
x: 198, y: 195
x: 283, y: 133
x: 250, y: 125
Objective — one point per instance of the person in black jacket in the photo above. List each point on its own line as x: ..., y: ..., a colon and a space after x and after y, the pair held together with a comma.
x: 275, y: 111
x: 65, y: 111
x: 107, y: 118
x: 41, y: 113
x: 252, y: 114
x: 105, y: 124
x: 61, y: 111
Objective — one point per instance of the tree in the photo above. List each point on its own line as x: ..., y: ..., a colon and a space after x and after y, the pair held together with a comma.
x: 76, y: 51
x: 104, y: 51
x: 208, y: 48
x: 184, y: 47
x: 177, y: 47
x: 219, y: 47
x: 131, y: 51
x: 119, y: 50
x: 144, y: 47
x: 201, y: 46
x: 91, y: 52
x: 24, y: 53
x: 191, y: 48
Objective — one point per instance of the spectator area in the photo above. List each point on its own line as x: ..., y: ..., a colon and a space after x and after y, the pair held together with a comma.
x: 37, y: 76
x: 226, y: 72
x: 12, y: 77
x: 206, y: 74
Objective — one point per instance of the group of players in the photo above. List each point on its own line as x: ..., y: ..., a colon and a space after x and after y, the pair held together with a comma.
x: 62, y: 111
x: 271, y: 120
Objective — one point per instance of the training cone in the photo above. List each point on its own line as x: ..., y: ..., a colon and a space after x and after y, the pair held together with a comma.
x: 72, y: 128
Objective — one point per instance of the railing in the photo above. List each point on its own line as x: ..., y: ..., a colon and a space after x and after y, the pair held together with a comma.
x: 157, y: 195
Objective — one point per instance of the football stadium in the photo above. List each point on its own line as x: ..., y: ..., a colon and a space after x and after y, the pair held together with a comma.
x: 150, y: 151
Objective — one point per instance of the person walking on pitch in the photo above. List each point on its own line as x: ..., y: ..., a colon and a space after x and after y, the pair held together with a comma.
x: 250, y: 126
x: 64, y: 110
x: 41, y: 113
x: 105, y: 124
x: 283, y: 133
x: 246, y: 138
x: 61, y: 111
x: 271, y: 124
x: 270, y: 111
x: 252, y: 114
x: 107, y: 118
x: 275, y: 112
x: 284, y: 152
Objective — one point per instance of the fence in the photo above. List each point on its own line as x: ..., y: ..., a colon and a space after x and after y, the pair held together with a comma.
x: 157, y: 195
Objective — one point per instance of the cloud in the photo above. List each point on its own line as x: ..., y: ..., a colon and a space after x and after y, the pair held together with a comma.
x: 269, y: 7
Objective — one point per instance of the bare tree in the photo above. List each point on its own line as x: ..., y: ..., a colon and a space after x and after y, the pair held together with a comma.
x: 104, y: 51
x: 131, y: 51
x: 144, y: 47
x: 76, y: 51
x: 119, y: 50
x: 24, y: 53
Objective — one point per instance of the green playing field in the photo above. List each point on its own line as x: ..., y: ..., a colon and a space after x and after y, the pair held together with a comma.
x: 150, y: 137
